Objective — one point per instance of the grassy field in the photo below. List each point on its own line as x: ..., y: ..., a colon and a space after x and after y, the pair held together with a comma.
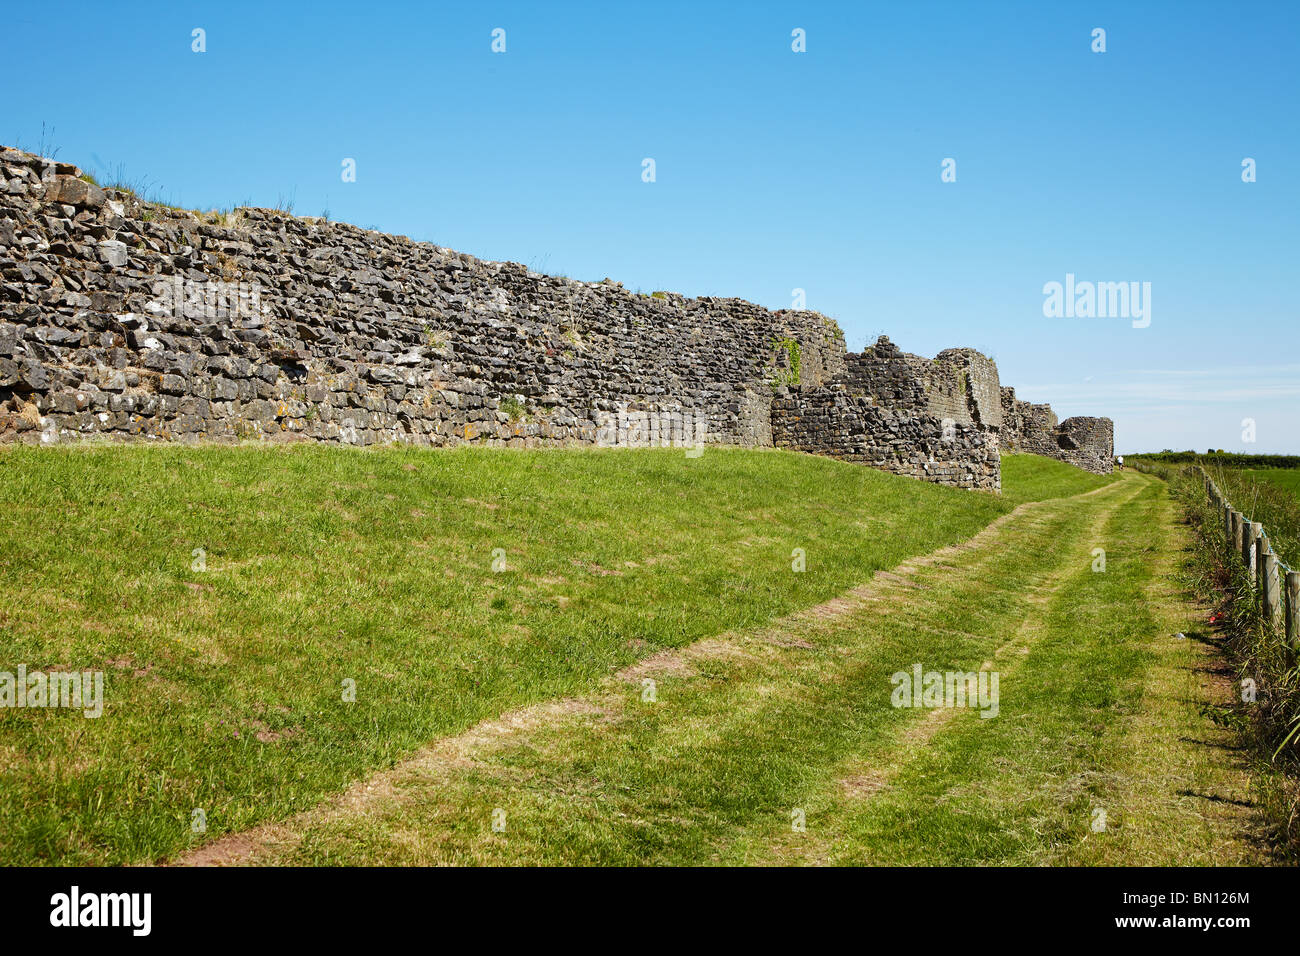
x: 1270, y: 496
x: 779, y: 744
x: 1266, y: 488
x: 1028, y: 478
x: 1288, y: 479
x: 233, y: 595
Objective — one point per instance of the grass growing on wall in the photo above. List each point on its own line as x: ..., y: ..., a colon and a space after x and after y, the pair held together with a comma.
x: 789, y: 375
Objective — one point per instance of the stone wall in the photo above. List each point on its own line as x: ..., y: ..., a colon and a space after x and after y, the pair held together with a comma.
x: 836, y: 421
x: 1087, y: 443
x: 960, y: 384
x: 127, y: 320
x: 936, y: 419
x: 1026, y: 426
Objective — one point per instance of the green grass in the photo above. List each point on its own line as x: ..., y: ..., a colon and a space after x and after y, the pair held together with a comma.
x: 1255, y: 646
x: 1270, y: 496
x: 1027, y: 478
x: 1277, y: 504
x: 1022, y: 789
x: 224, y: 686
x: 1217, y: 459
x: 795, y: 718
x: 1287, y: 479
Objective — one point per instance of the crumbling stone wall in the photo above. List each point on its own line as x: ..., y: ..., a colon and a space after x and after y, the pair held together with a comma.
x: 1026, y: 426
x: 960, y: 384
x: 979, y: 393
x: 1087, y: 443
x: 124, y: 319
x: 936, y: 419
x: 835, y: 421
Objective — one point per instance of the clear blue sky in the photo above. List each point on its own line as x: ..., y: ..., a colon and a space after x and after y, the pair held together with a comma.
x: 775, y: 169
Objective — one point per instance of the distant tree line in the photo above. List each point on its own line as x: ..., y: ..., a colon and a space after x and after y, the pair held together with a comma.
x: 1220, y: 457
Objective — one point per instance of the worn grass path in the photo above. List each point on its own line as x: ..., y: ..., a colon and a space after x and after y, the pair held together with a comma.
x: 780, y: 745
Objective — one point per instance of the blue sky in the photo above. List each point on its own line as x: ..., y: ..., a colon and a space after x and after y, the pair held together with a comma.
x: 775, y: 170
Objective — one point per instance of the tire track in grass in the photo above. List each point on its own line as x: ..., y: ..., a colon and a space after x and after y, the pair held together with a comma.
x: 872, y: 776
x: 1096, y: 755
x: 611, y: 780
x: 876, y: 770
x: 1181, y: 791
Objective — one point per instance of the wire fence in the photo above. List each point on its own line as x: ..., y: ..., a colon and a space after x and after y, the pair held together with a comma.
x: 1276, y: 585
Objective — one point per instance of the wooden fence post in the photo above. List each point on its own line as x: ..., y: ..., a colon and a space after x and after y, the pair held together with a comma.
x: 1270, y: 601
x: 1253, y: 530
x: 1293, y: 610
x: 1261, y: 549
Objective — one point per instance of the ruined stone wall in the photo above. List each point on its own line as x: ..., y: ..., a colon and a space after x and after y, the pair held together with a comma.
x: 840, y: 423
x: 123, y: 319
x: 960, y: 384
x: 1027, y: 427
x: 978, y: 396
x: 1087, y: 443
x: 888, y: 375
x: 936, y: 419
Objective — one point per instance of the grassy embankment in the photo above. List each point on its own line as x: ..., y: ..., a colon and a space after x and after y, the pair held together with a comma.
x: 229, y: 593
x: 779, y: 744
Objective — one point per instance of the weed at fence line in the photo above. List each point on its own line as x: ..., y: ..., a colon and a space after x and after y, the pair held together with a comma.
x: 1267, y: 708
